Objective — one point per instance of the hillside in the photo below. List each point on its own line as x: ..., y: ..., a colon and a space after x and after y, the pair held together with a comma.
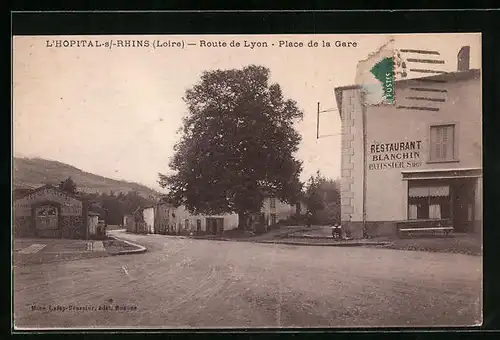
x: 34, y: 172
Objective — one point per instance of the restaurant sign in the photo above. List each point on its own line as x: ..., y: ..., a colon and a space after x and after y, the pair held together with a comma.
x: 394, y: 155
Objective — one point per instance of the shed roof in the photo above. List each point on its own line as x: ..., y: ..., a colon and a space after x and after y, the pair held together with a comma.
x: 49, y: 186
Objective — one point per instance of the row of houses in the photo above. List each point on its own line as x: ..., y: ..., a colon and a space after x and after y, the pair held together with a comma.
x: 50, y: 212
x: 164, y: 218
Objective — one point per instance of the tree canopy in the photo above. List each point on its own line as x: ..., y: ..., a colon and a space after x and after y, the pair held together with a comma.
x: 322, y: 197
x: 116, y: 205
x: 68, y: 185
x: 237, y: 146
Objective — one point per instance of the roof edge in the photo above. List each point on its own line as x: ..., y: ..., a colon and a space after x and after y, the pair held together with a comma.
x: 50, y: 186
x: 456, y: 75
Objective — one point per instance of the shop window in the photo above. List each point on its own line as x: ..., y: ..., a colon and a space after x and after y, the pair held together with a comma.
x: 442, y: 143
x: 429, y: 203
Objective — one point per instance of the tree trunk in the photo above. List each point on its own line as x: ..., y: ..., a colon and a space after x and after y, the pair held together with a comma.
x: 242, y: 220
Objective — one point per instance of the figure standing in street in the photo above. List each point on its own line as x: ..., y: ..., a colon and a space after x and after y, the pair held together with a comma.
x: 337, y: 231
x: 308, y: 219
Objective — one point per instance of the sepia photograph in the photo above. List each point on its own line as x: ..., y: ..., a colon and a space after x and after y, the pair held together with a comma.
x: 247, y: 181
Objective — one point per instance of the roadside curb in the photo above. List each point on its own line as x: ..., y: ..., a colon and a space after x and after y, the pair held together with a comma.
x: 140, y: 250
x: 311, y: 237
x: 323, y: 244
x: 207, y: 238
x: 290, y: 233
x: 351, y: 244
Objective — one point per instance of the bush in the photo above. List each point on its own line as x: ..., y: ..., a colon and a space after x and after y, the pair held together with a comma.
x: 259, y: 228
x: 292, y: 221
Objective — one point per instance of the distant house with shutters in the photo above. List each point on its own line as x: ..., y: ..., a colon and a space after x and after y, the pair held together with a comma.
x: 275, y: 210
x: 206, y: 224
x: 164, y: 218
x: 53, y: 213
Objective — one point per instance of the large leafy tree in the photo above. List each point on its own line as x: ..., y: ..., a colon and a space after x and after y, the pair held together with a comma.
x: 314, y: 200
x: 322, y: 196
x: 117, y: 205
x: 237, y: 146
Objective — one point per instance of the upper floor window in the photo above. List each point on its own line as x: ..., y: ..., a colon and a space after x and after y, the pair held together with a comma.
x: 442, y: 143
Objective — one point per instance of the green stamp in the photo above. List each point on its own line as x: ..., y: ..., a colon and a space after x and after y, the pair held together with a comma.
x: 384, y: 73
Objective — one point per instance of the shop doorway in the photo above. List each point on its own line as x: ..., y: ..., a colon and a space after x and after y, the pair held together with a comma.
x: 46, y: 221
x: 452, y: 200
x: 215, y: 225
x: 463, y: 197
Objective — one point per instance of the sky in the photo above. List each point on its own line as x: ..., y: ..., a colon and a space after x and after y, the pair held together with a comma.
x: 116, y: 111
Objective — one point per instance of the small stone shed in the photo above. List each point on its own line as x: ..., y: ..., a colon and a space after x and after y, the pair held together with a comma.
x: 50, y: 212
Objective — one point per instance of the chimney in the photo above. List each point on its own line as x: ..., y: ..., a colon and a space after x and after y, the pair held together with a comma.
x: 463, y: 59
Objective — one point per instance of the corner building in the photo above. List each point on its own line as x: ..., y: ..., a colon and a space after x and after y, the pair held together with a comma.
x: 417, y: 160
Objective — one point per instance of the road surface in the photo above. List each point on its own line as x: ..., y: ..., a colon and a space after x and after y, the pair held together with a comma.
x: 185, y: 283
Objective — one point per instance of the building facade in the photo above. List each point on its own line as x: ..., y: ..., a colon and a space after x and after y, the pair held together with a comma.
x: 417, y: 160
x: 275, y: 210
x: 149, y: 219
x: 163, y: 218
x: 181, y: 220
x: 128, y: 222
x: 52, y: 213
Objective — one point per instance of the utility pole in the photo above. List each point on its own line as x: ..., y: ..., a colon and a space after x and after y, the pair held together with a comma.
x: 317, y: 123
x: 317, y: 119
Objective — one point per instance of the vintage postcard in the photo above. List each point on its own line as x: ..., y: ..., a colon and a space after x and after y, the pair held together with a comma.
x: 247, y: 181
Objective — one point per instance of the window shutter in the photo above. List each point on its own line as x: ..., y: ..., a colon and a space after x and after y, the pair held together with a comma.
x: 439, y: 143
x: 451, y: 142
x: 444, y: 145
x: 432, y: 144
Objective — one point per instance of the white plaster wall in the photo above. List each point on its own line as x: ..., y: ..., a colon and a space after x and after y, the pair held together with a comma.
x: 92, y: 224
x: 181, y: 214
x: 386, y: 191
x: 149, y: 219
x: 282, y: 210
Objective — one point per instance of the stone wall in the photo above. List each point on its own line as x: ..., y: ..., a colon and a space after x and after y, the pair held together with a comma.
x: 69, y: 227
x: 72, y: 226
x: 351, y: 188
x: 381, y: 228
x: 24, y: 226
